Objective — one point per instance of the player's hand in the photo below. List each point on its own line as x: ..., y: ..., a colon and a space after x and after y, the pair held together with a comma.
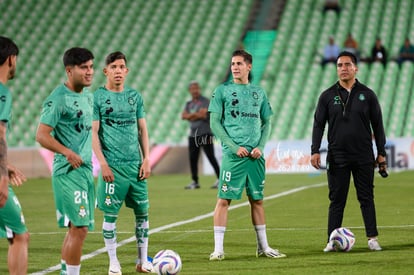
x: 316, y: 161
x: 107, y: 174
x: 4, y: 190
x: 145, y: 170
x: 16, y: 177
x: 242, y: 152
x: 256, y: 153
x: 74, y: 159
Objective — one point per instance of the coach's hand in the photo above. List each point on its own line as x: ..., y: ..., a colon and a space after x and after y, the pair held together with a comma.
x: 316, y: 161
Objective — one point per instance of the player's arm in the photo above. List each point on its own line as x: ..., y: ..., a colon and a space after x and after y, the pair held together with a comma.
x: 265, y: 132
x: 4, y: 175
x: 46, y: 140
x: 107, y: 174
x: 145, y: 170
x: 221, y: 134
x: 15, y: 175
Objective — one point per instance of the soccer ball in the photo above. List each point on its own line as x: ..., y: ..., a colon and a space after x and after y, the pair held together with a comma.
x: 342, y: 238
x: 167, y: 262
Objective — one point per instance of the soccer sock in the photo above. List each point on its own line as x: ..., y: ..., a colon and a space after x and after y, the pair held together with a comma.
x: 73, y: 269
x: 141, y: 234
x: 62, y: 267
x: 219, y: 238
x: 261, y: 236
x: 109, y: 234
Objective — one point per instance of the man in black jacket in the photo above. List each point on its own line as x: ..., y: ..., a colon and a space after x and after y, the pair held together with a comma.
x: 351, y: 110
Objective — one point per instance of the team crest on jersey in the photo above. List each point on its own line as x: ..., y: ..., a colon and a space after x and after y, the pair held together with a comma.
x: 337, y: 100
x: 108, y: 201
x: 82, y: 212
x: 361, y: 97
x: 224, y: 187
x: 131, y: 101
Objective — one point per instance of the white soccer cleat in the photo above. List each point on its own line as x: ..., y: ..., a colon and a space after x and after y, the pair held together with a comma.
x: 329, y: 247
x: 374, y: 245
x: 145, y: 267
x: 217, y: 256
x: 270, y: 253
x: 114, y: 269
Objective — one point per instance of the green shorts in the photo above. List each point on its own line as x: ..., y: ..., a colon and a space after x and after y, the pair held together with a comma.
x: 11, y: 217
x: 74, y: 194
x: 238, y: 173
x: 126, y: 187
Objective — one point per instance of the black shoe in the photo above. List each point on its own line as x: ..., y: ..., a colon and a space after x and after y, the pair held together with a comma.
x: 193, y: 185
x: 215, y: 185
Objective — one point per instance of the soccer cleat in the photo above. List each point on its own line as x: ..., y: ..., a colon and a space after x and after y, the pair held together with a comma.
x: 270, y: 253
x: 217, y: 256
x: 193, y: 185
x: 114, y: 269
x: 145, y: 267
x: 329, y: 247
x: 374, y: 245
x: 215, y: 185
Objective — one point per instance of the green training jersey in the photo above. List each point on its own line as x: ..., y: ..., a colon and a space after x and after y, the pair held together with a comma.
x: 242, y: 107
x: 118, y: 114
x: 5, y: 104
x: 70, y: 115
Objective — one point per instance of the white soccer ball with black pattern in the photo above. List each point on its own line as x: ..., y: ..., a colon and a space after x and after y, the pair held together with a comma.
x: 167, y: 262
x: 342, y: 239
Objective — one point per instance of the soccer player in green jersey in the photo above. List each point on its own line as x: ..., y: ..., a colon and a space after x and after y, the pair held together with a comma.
x: 12, y: 224
x: 119, y: 137
x: 240, y: 118
x: 66, y: 129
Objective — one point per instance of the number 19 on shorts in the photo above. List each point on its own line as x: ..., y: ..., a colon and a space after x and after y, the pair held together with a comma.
x: 226, y: 176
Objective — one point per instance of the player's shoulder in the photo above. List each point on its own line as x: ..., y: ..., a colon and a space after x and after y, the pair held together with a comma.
x: 4, y: 90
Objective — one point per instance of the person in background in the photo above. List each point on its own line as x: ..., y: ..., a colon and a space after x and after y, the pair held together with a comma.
x: 351, y: 45
x: 378, y: 52
x: 65, y: 128
x: 195, y: 111
x: 351, y: 110
x: 330, y: 51
x: 12, y: 225
x: 406, y: 52
x: 240, y: 118
x: 120, y: 134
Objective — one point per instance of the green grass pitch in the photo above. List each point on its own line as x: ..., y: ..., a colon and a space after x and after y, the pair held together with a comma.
x: 296, y: 214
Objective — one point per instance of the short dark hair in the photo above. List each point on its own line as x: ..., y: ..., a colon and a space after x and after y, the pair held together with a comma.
x: 7, y: 48
x: 346, y: 53
x: 115, y: 56
x: 246, y: 56
x: 76, y: 56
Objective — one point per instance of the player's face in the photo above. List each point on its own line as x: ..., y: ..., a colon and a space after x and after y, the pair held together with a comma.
x: 240, y: 69
x: 345, y: 68
x: 81, y: 75
x: 12, y: 64
x: 116, y: 72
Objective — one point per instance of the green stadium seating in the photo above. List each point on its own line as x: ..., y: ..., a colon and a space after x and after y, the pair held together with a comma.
x: 169, y: 43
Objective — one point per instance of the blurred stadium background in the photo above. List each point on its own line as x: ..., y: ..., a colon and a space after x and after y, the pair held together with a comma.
x: 171, y: 42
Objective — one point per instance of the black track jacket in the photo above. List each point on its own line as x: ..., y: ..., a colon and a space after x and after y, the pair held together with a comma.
x: 349, y: 123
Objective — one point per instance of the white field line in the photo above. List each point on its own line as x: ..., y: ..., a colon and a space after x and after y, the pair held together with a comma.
x: 168, y: 226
